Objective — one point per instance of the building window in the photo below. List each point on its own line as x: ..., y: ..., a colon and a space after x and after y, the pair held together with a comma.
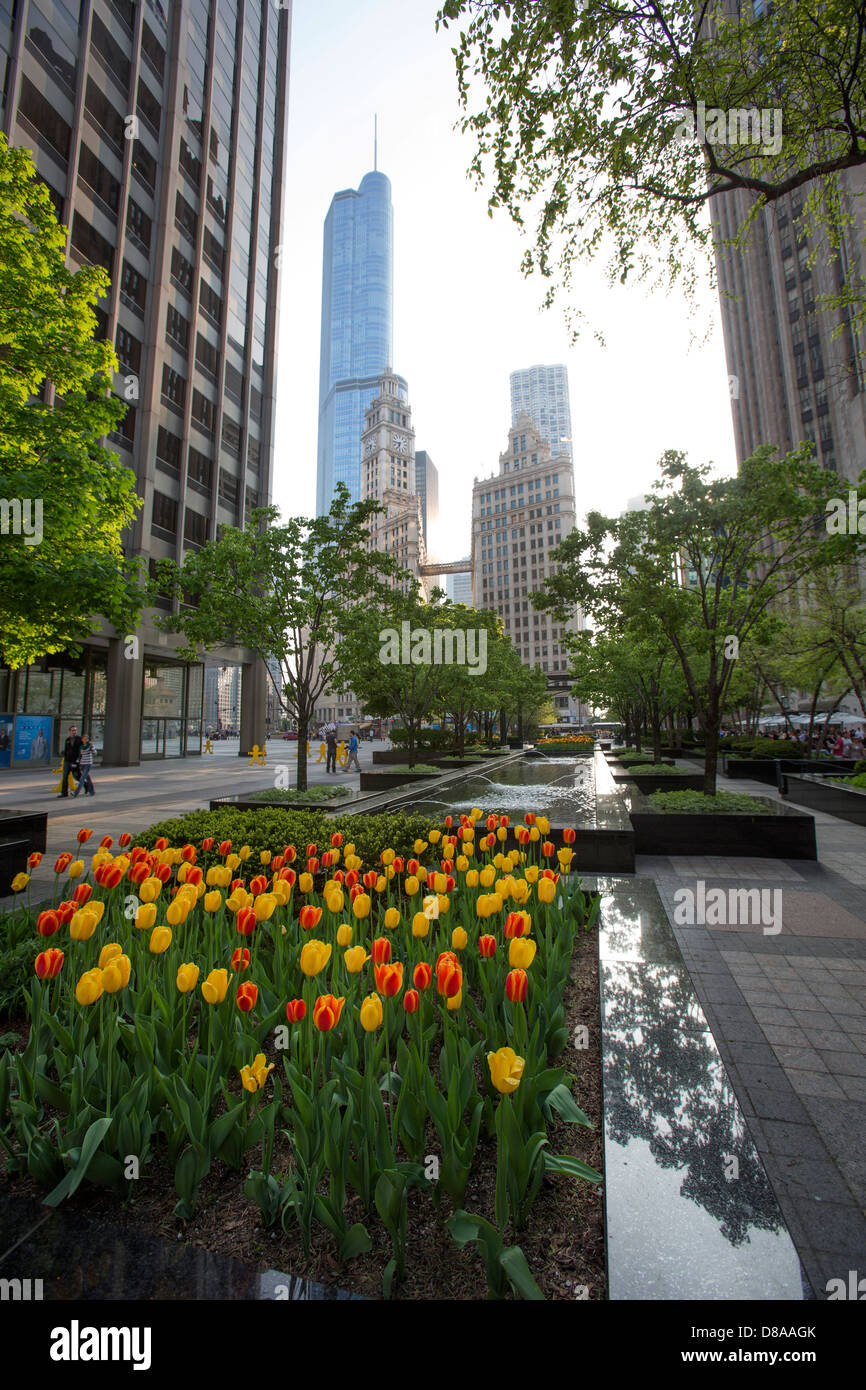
x: 168, y: 448
x: 144, y: 166
x: 128, y: 350
x: 104, y: 116
x: 153, y: 51
x: 195, y: 527
x: 185, y: 217
x: 231, y: 436
x: 206, y: 356
x: 109, y: 51
x: 133, y: 289
x: 92, y: 246
x: 203, y: 412
x: 138, y: 226
x: 101, y: 182
x: 173, y: 389
x: 149, y: 109
x: 48, y: 127
x: 200, y: 468
x: 164, y: 514
x: 229, y: 489
x: 181, y: 271
x: 177, y: 327
x: 234, y: 383
x: 211, y: 307
x: 190, y: 165
x: 214, y: 251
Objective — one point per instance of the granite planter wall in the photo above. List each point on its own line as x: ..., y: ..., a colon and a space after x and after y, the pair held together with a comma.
x: 785, y: 834
x: 822, y: 794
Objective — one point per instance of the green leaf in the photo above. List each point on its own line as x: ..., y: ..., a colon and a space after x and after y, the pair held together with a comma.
x: 513, y: 1261
x: 564, y: 1163
x: 73, y: 1179
x: 562, y: 1101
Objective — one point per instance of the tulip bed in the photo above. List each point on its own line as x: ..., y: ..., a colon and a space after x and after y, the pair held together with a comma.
x: 349, y: 1035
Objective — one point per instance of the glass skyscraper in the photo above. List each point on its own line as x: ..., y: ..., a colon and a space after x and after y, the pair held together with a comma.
x: 357, y: 327
x: 543, y: 393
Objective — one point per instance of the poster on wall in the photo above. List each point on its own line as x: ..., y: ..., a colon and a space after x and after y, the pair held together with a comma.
x: 6, y: 725
x: 32, y: 738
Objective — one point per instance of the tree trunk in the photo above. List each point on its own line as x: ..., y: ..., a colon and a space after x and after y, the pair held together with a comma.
x: 410, y: 727
x: 711, y: 755
x: 303, y: 734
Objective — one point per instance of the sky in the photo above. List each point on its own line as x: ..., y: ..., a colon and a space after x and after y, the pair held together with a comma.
x: 464, y: 314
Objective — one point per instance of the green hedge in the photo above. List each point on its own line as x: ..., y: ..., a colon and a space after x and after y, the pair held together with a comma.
x: 272, y: 829
x: 321, y: 792
x: 698, y: 804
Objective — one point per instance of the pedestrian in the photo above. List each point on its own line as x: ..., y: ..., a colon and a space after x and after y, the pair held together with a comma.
x: 85, y: 763
x: 71, y: 750
x: 838, y: 746
x: 331, y: 747
x: 353, y: 751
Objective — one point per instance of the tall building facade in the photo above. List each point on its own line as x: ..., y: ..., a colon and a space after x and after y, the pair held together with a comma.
x: 357, y: 327
x: 388, y: 475
x: 458, y: 587
x: 519, y: 516
x: 542, y: 393
x: 427, y: 488
x: 160, y: 131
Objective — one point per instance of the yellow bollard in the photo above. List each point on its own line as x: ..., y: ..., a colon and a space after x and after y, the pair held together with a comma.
x: 208, y: 746
x: 257, y: 755
x: 58, y: 772
x: 342, y: 753
x: 323, y: 752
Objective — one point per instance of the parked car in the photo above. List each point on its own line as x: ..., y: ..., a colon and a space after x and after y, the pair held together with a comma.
x: 291, y: 734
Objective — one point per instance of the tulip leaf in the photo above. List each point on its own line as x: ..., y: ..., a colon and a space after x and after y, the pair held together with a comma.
x: 49, y: 1091
x: 73, y: 1179
x: 572, y: 1167
x: 513, y: 1261
x: 562, y: 1101
x: 356, y: 1241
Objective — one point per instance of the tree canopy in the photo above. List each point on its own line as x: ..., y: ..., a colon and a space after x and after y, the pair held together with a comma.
x: 65, y: 499
x: 596, y: 119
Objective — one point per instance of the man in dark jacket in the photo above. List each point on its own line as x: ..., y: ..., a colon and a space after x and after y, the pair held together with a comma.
x: 71, y: 751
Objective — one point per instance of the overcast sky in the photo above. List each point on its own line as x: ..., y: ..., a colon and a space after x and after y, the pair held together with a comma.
x: 464, y: 315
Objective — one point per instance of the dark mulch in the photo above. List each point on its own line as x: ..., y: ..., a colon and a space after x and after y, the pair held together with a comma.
x: 563, y: 1240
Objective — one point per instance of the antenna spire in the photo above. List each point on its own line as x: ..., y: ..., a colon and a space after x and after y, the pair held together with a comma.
x: 375, y: 143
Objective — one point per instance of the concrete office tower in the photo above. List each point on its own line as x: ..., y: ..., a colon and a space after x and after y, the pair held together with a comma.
x: 160, y: 131
x: 458, y: 587
x: 357, y: 327
x: 543, y: 393
x: 388, y: 474
x: 519, y: 516
x: 789, y: 378
x: 427, y: 488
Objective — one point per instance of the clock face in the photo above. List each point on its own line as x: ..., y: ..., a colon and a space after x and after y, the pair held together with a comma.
x: 371, y: 445
x: 399, y: 443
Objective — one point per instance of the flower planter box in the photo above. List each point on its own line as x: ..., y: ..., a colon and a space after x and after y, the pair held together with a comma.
x: 14, y: 854
x: 26, y: 825
x: 383, y: 757
x: 253, y: 803
x: 821, y: 794
x: 565, y: 750
x: 786, y: 834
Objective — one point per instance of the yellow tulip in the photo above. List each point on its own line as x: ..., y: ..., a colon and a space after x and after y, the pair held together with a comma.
x: 282, y: 892
x: 20, y: 882
x: 381, y: 883
x: 215, y: 987
x: 82, y: 924
x: 535, y: 834
x: 459, y: 939
x: 392, y: 918
x: 371, y: 1013
x: 532, y: 872
x: 89, y: 987
x: 420, y: 846
x: 420, y: 924
x: 430, y: 907
x: 546, y: 890
x: 472, y: 878
x: 361, y: 906
x: 422, y: 874
x: 213, y: 901
x: 76, y: 868
x: 506, y: 1069
x: 187, y: 977
x: 355, y: 958
x: 390, y: 872
x: 265, y: 857
x: 543, y: 825
x: 412, y: 886
x: 265, y: 906
x: 434, y: 836
x: 520, y: 891
x: 305, y: 883
x: 214, y: 876
x: 108, y: 952
x: 335, y: 901
x: 150, y: 890
x: 314, y: 957
x: 476, y: 813
x: 145, y: 916
x: 233, y: 862
x: 456, y: 1001
x: 254, y: 1077
x: 388, y: 856
x: 344, y: 934
x: 487, y: 877
x: 236, y: 900
x: 160, y: 940
x: 115, y: 974
x: 461, y: 863
x: 444, y: 903
x: 244, y: 853
x: 177, y: 912
x: 521, y: 952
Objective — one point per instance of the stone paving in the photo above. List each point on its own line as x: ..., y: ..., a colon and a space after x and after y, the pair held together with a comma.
x: 788, y: 1012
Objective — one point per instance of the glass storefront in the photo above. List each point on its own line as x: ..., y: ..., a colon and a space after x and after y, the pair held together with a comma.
x: 171, y: 711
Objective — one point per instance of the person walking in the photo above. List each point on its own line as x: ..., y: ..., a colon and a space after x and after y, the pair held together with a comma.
x: 353, y: 751
x: 85, y: 762
x: 331, y: 747
x: 71, y: 750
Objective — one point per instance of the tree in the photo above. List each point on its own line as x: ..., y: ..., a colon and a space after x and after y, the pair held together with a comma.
x: 589, y: 108
x: 748, y: 541
x: 289, y: 592
x: 66, y: 500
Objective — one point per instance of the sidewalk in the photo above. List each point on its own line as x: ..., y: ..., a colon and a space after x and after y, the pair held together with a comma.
x: 788, y: 1012
x: 133, y: 798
